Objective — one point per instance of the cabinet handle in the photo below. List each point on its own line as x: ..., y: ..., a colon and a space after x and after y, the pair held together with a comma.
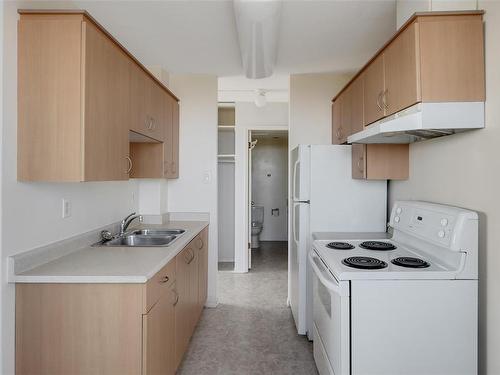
x: 153, y: 124
x: 360, y: 166
x: 200, y: 244
x: 190, y: 259
x: 129, y: 164
x: 378, y: 100
x: 338, y: 133
x: 164, y: 280
x: 176, y: 297
x: 384, y: 98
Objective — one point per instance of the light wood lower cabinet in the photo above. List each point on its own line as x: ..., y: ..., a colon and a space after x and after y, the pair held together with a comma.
x: 380, y: 161
x: 103, y: 329
x: 158, y: 329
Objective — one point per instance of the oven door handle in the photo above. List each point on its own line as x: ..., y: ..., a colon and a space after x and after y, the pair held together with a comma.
x: 324, y: 275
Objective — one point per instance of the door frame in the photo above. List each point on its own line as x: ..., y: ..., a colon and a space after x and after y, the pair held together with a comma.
x: 241, y: 194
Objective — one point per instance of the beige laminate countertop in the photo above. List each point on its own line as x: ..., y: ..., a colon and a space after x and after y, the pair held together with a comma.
x: 112, y: 264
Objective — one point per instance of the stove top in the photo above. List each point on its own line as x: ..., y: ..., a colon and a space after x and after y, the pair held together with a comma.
x: 353, y: 259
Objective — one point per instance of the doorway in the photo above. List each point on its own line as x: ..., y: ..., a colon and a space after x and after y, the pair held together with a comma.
x: 267, y: 197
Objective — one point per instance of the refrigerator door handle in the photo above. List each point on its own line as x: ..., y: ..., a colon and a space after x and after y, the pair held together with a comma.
x: 295, y: 167
x: 294, y: 226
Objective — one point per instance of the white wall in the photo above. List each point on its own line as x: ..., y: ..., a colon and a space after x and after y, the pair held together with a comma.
x: 311, y: 107
x: 463, y: 170
x: 1, y: 169
x: 270, y: 185
x: 31, y: 212
x: 226, y: 211
x: 248, y: 116
x: 196, y: 188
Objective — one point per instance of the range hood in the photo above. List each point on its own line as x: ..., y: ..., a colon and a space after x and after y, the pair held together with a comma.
x: 423, y: 121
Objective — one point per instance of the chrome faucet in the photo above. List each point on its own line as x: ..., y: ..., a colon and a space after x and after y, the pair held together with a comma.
x: 127, y: 221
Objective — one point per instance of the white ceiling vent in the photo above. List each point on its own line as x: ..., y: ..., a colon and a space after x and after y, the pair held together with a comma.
x: 257, y: 22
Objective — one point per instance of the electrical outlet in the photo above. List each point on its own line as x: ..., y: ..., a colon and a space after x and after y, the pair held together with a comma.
x: 66, y: 208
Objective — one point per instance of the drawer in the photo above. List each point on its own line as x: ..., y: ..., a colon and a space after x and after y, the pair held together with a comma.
x: 158, y: 285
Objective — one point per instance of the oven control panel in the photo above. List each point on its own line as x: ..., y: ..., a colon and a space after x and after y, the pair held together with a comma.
x: 434, y: 223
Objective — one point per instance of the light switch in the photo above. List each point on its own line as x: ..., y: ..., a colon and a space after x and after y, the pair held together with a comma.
x: 66, y: 208
x: 206, y: 177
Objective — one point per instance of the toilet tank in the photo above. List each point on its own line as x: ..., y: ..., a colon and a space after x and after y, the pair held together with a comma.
x: 258, y: 214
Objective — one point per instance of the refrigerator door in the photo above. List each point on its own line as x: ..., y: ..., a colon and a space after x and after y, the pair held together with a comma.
x: 300, y: 173
x: 340, y: 203
x: 298, y: 264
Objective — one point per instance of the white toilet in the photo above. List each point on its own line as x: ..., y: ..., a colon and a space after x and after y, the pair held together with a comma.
x: 257, y: 223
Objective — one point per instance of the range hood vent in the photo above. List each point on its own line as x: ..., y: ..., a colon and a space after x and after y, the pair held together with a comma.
x: 423, y: 121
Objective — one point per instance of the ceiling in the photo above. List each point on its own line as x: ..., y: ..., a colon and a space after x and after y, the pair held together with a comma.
x: 200, y: 36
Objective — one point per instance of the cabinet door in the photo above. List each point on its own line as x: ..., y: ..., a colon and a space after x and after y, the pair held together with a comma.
x: 336, y: 121
x: 140, y: 96
x: 387, y: 161
x: 402, y: 81
x: 168, y: 138
x: 202, y: 269
x: 156, y: 128
x: 358, y: 161
x: 106, y: 108
x: 183, y: 309
x: 194, y: 277
x: 357, y: 121
x: 158, y: 336
x: 373, y: 90
x: 174, y: 169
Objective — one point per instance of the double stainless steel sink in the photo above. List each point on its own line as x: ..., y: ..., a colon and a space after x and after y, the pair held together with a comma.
x: 145, y: 238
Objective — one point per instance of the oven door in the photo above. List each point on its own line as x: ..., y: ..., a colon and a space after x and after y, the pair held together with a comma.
x: 331, y: 320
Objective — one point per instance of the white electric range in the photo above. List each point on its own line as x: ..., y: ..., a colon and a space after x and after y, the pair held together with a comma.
x: 404, y: 305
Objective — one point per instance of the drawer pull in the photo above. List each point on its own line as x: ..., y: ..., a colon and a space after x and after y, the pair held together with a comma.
x: 164, y: 279
x: 176, y: 298
x: 191, y: 258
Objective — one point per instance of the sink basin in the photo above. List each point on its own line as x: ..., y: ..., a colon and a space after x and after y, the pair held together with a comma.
x: 141, y: 241
x: 145, y: 238
x: 158, y: 232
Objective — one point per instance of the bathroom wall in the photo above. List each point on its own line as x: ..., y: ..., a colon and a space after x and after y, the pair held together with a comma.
x: 269, y: 184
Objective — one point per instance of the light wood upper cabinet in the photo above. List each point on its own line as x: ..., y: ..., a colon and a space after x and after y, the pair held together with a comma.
x: 337, y: 120
x: 434, y: 57
x: 106, y: 110
x: 373, y: 90
x: 94, y: 93
x: 452, y: 58
x: 380, y: 161
x: 174, y: 168
x: 401, y: 72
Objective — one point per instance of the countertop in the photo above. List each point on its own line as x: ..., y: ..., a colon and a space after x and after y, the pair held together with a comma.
x: 113, y: 264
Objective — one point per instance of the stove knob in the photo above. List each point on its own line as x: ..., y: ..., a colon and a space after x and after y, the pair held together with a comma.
x: 444, y: 222
x: 396, y: 219
x: 441, y: 234
x: 398, y: 210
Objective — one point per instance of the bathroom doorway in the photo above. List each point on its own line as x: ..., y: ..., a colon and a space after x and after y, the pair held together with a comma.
x: 267, y: 196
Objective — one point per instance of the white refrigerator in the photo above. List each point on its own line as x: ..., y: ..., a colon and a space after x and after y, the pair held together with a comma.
x: 325, y: 198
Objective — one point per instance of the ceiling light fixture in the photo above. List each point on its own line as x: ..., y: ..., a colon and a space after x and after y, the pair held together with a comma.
x: 260, y: 98
x: 257, y: 22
